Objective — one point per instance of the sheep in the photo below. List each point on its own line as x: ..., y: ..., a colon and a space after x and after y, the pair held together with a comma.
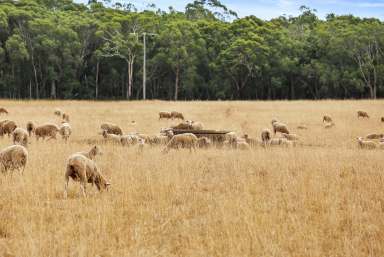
x: 281, y: 142
x: 57, y: 112
x: 13, y: 157
x: 329, y: 125
x: 290, y: 137
x: 65, y: 131
x: 165, y: 115
x: 158, y: 140
x: 111, y: 137
x: 111, y: 128
x: 65, y: 117
x: 47, y: 130
x: 363, y: 144
x: 362, y: 114
x: 30, y: 128
x: 84, y: 170
x: 3, y: 110
x: 91, y: 154
x: 127, y: 140
x: 7, y: 127
x: 327, y: 118
x: 265, y: 136
x: 183, y: 126
x: 20, y: 137
x: 196, y: 125
x: 204, y: 142
x: 374, y: 136
x: 279, y: 127
x: 177, y: 115
x: 187, y: 140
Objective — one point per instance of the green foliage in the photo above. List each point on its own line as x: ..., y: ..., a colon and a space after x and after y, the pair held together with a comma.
x: 59, y: 49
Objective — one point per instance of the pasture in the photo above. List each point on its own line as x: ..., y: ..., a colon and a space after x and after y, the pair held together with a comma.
x: 324, y: 197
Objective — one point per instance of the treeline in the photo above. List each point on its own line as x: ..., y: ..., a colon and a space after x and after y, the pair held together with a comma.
x: 59, y: 49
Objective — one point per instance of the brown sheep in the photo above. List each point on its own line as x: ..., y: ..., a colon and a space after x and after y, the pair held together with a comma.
x: 91, y: 154
x: 279, y: 127
x: 374, y: 136
x: 3, y: 110
x: 366, y: 144
x: 30, y: 128
x: 83, y: 170
x: 13, y: 157
x: 362, y: 114
x: 20, y: 137
x: 187, y: 140
x: 47, y: 130
x: 65, y: 117
x: 7, y: 127
x: 165, y: 115
x: 327, y: 118
x: 177, y: 115
x: 111, y: 128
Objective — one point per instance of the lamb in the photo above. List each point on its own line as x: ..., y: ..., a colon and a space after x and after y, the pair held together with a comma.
x: 290, y: 137
x: 91, y: 154
x: 187, y: 140
x: 30, y: 128
x: 65, y: 131
x: 329, y: 125
x: 20, y: 137
x: 177, y: 115
x: 111, y: 137
x: 327, y: 118
x: 57, y: 112
x: 13, y: 157
x: 84, y: 170
x: 374, y: 136
x: 65, y: 117
x: 165, y: 115
x: 279, y: 127
x: 363, y: 144
x: 47, y: 130
x: 362, y: 114
x: 3, y: 110
x: 7, y: 127
x: 111, y: 128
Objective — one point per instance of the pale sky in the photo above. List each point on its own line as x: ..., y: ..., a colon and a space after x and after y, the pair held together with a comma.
x: 267, y: 9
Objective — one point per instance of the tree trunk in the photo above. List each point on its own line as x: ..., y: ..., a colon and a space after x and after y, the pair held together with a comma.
x: 97, y: 80
x: 53, y: 89
x: 177, y: 83
x: 30, y: 89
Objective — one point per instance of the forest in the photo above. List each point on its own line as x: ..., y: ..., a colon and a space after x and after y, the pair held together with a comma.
x: 63, y: 50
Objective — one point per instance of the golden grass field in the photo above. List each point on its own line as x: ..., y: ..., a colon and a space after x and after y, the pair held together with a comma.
x: 322, y: 198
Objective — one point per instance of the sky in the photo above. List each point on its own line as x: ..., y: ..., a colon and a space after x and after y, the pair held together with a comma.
x: 267, y: 9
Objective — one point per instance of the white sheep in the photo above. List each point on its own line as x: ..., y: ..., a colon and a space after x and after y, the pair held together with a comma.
x: 111, y: 137
x: 83, y: 170
x: 20, y: 137
x: 65, y: 131
x: 13, y: 157
x: 364, y: 144
x: 187, y: 140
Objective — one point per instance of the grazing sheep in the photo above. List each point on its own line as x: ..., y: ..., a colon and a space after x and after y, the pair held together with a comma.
x: 13, y: 157
x: 7, y: 127
x: 20, y: 137
x: 327, y: 118
x: 47, y: 130
x: 111, y: 137
x: 290, y: 137
x: 362, y: 114
x: 329, y: 125
x: 30, y: 128
x: 265, y: 136
x: 363, y: 144
x: 165, y: 115
x: 187, y: 140
x: 302, y: 127
x: 57, y: 112
x: 65, y: 131
x: 111, y: 128
x: 177, y: 115
x: 91, y: 154
x: 3, y: 110
x: 374, y: 136
x: 279, y: 127
x: 65, y: 117
x: 83, y: 170
x: 204, y: 142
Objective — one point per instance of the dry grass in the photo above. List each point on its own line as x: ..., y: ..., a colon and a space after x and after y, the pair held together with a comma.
x: 324, y: 198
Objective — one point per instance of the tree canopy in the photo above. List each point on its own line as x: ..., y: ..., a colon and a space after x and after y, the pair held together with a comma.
x: 60, y: 49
